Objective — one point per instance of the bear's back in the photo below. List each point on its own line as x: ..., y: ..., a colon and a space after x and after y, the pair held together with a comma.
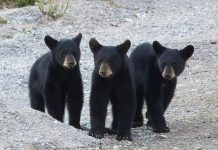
x: 130, y: 66
x: 143, y: 55
x: 143, y: 58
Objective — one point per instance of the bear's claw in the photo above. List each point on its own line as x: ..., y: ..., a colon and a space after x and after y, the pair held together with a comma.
x: 124, y: 137
x: 95, y: 134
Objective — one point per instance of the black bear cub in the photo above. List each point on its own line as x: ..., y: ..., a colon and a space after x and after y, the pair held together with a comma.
x: 112, y: 80
x: 156, y: 71
x: 55, y: 80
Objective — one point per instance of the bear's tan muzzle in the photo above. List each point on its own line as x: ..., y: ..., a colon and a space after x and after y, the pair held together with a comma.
x: 105, y: 70
x: 168, y: 72
x: 69, y: 62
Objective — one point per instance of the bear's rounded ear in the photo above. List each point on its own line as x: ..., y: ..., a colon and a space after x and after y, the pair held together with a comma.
x: 77, y: 39
x: 50, y: 42
x: 158, y: 48
x: 187, y: 52
x: 124, y: 47
x: 94, y: 45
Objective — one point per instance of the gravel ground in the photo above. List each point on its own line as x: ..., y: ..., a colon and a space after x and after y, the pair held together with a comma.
x: 193, y: 113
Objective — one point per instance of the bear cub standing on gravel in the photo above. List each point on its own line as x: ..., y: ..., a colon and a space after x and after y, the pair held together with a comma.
x: 156, y: 71
x: 55, y: 79
x: 112, y: 79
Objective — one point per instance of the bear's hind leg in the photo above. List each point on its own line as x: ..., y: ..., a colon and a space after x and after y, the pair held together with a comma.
x: 148, y: 124
x: 36, y: 101
x: 113, y: 129
x: 138, y: 120
x: 55, y: 103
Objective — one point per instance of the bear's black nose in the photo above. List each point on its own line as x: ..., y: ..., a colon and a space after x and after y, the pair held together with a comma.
x: 72, y: 64
x: 102, y: 73
x: 167, y: 77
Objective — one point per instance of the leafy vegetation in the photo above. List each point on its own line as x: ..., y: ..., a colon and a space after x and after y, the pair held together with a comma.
x: 2, y: 21
x: 15, y: 3
x: 55, y: 8
x: 22, y: 3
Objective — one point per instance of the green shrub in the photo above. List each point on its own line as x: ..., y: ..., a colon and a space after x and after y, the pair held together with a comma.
x: 56, y: 8
x: 15, y: 3
x: 22, y: 3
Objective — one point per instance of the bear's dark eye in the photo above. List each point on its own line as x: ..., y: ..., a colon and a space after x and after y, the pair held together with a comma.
x: 74, y: 53
x: 62, y: 54
x: 163, y: 65
x: 173, y: 64
x: 109, y: 61
x: 100, y: 61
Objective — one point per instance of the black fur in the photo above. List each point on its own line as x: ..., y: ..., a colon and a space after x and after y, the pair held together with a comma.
x: 149, y: 61
x: 53, y: 86
x: 119, y: 89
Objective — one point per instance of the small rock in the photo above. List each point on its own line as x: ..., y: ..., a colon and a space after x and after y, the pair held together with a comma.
x: 138, y: 15
x: 128, y: 20
x: 163, y: 136
x: 198, y: 147
x: 115, y: 147
x: 206, y: 135
x: 53, y: 147
x: 113, y: 24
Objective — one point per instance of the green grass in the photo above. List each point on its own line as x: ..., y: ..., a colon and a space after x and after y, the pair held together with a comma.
x: 22, y: 3
x: 111, y: 2
x: 7, y: 35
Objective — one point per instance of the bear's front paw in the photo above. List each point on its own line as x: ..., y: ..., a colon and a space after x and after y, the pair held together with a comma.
x: 137, y: 124
x: 161, y: 130
x: 96, y: 134
x: 124, y: 137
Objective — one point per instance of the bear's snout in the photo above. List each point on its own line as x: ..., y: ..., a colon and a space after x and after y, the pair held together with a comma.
x: 69, y: 62
x: 168, y: 72
x: 105, y: 70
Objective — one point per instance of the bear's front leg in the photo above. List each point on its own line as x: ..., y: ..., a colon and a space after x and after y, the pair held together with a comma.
x: 99, y: 100
x: 74, y: 105
x: 126, y: 106
x: 125, y: 118
x: 169, y: 91
x: 55, y: 103
x: 154, y: 100
x: 156, y: 119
